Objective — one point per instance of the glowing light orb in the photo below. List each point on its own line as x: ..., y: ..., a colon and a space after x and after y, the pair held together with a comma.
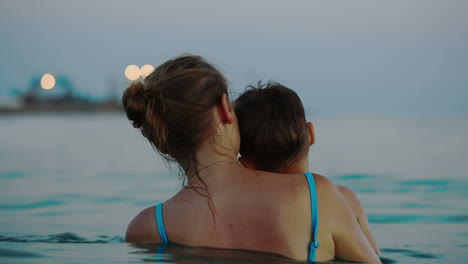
x: 132, y: 72
x: 47, y: 81
x: 146, y: 70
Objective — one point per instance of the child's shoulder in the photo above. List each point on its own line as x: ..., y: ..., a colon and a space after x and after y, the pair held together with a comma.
x: 322, y: 182
x: 328, y: 190
x: 347, y: 193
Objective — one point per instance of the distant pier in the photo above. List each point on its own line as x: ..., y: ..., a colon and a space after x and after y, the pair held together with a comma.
x: 57, y: 94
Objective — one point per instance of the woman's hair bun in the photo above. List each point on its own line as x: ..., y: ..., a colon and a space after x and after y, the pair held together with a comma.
x: 135, y: 102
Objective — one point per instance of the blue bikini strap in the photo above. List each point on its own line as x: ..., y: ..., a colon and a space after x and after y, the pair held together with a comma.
x: 314, y: 210
x: 160, y: 223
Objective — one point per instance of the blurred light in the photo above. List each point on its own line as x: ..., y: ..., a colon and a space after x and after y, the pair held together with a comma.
x: 132, y: 72
x: 47, y: 81
x: 146, y: 70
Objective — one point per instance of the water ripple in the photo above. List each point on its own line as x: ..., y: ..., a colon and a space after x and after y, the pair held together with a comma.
x: 67, y: 237
x: 427, y: 182
x: 28, y: 206
x: 393, y: 218
x: 457, y: 219
x: 111, y: 199
x: 12, y: 175
x: 410, y: 253
x: 18, y: 254
x: 385, y: 219
x: 416, y: 205
x: 352, y: 177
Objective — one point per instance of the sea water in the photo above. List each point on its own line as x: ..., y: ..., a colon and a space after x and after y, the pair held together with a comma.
x: 70, y: 184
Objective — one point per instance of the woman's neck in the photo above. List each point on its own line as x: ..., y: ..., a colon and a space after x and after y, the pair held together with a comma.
x: 210, y: 155
x: 299, y: 167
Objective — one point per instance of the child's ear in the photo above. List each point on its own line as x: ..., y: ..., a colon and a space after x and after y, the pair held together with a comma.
x: 310, y: 127
x: 246, y: 163
x: 224, y: 110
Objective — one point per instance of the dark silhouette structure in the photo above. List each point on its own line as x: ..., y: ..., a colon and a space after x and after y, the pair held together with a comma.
x: 62, y: 98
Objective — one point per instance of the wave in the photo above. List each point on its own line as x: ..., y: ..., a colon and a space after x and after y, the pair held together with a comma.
x: 12, y: 253
x: 410, y: 253
x: 29, y: 206
x: 393, y: 218
x: 66, y: 237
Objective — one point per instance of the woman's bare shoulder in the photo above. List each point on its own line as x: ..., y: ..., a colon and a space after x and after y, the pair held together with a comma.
x: 143, y: 229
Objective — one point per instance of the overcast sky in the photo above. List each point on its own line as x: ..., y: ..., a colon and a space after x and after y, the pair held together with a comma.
x: 401, y: 56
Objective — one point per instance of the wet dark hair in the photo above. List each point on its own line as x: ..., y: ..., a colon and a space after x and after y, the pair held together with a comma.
x: 273, y: 128
x: 173, y: 108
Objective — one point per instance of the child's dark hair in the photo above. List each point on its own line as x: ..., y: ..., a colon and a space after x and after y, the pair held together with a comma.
x: 273, y: 128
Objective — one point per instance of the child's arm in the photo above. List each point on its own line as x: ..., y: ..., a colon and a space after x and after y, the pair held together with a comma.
x: 361, y: 217
x: 350, y: 241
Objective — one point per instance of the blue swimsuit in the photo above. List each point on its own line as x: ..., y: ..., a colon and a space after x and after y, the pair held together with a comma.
x: 314, y: 209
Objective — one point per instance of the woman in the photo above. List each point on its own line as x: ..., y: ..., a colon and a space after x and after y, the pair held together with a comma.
x: 184, y: 111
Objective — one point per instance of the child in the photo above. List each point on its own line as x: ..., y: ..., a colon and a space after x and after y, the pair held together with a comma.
x: 276, y: 137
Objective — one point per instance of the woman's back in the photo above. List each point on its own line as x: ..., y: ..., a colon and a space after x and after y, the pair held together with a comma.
x: 252, y: 210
